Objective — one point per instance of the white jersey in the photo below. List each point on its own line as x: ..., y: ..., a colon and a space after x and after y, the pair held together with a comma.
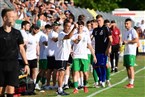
x: 130, y: 49
x: 25, y: 39
x: 38, y: 35
x: 24, y: 35
x: 80, y: 49
x: 63, y: 47
x: 43, y: 48
x: 31, y: 47
x: 51, y: 44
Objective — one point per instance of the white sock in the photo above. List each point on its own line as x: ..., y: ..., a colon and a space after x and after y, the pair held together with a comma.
x: 79, y: 82
x: 100, y: 82
x: 34, y: 81
x: 82, y: 81
x: 96, y: 83
x: 107, y: 80
x: 60, y: 89
x: 103, y: 84
x: 66, y: 79
x: 131, y: 81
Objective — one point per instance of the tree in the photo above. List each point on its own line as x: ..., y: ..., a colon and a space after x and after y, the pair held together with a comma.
x: 109, y: 5
x: 101, y: 5
x: 133, y: 4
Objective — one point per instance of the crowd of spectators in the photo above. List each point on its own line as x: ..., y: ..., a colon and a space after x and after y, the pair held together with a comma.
x: 41, y: 12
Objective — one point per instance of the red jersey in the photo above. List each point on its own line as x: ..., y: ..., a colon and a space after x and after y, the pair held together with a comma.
x: 115, y: 36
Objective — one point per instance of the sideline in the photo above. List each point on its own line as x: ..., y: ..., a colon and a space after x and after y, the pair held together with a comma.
x: 93, y: 94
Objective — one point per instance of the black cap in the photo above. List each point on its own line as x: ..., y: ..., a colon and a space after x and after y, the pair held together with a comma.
x: 56, y: 23
x: 67, y: 11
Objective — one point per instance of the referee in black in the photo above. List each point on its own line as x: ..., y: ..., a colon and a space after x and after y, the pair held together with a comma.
x: 11, y: 43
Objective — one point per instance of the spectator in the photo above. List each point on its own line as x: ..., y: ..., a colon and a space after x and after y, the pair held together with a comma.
x: 116, y: 36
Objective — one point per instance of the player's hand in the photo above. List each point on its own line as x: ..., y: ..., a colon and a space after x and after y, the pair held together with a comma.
x: 125, y: 42
x: 107, y: 52
x: 95, y: 60
x: 27, y: 69
x: 75, y: 25
x: 79, y: 37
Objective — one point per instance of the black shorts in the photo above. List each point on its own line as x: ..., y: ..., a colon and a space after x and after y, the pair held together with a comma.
x: 69, y: 60
x: 9, y: 72
x: 51, y: 63
x: 32, y: 63
x: 61, y: 65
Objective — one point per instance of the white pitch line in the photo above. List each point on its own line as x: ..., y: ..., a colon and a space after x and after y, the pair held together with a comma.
x: 117, y: 72
x: 93, y: 94
x: 112, y: 74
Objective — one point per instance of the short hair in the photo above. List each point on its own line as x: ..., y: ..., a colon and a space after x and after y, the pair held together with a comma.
x: 24, y: 23
x: 94, y: 20
x: 47, y: 26
x: 34, y: 26
x: 72, y: 17
x: 5, y: 11
x: 81, y: 17
x: 40, y: 14
x: 99, y: 16
x: 80, y: 23
x: 65, y: 22
x: 128, y: 19
x: 89, y: 22
x: 106, y: 21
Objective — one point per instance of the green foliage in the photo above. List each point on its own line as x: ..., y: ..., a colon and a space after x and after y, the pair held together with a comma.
x: 101, y: 5
x: 109, y: 5
x: 133, y: 4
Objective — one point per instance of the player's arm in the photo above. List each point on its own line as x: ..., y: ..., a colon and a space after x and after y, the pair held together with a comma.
x: 23, y: 54
x: 77, y: 40
x: 108, y: 50
x: 71, y: 33
x: 44, y: 43
x: 55, y: 39
x: 134, y: 40
x: 37, y: 49
x: 89, y: 46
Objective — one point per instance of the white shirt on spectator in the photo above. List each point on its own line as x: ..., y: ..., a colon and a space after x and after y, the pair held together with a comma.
x: 25, y: 39
x: 51, y: 44
x: 43, y: 48
x: 38, y: 35
x: 31, y: 47
x: 63, y: 47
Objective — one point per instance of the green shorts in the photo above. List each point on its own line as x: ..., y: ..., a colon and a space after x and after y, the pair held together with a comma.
x: 43, y: 64
x: 80, y: 65
x: 90, y: 58
x: 129, y: 60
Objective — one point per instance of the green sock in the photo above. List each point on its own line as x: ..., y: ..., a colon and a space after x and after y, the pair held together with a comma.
x: 76, y: 84
x: 43, y: 80
x: 108, y: 73
x: 95, y: 76
x: 38, y: 79
x: 85, y: 82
